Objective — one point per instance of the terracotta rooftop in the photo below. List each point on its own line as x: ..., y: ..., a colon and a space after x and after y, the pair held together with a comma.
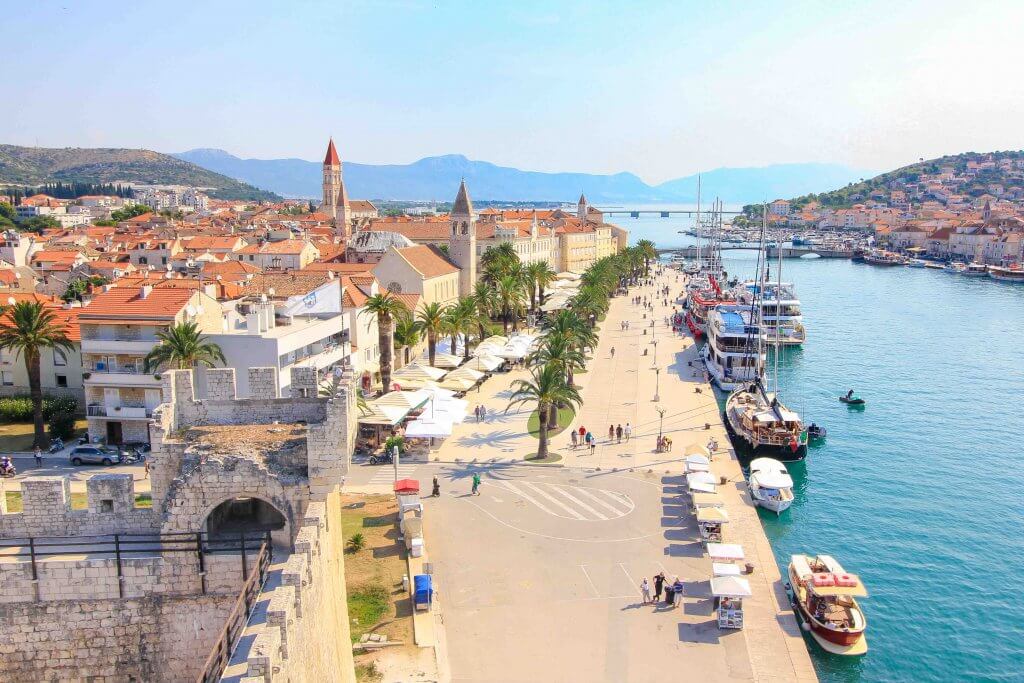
x: 127, y: 302
x: 427, y: 261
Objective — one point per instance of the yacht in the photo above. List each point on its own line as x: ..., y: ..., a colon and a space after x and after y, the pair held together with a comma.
x: 975, y: 270
x: 955, y: 268
x: 699, y: 303
x: 770, y: 485
x: 734, y: 353
x: 757, y: 421
x: 825, y: 597
x: 882, y: 258
x: 917, y: 263
x: 781, y: 318
x: 1011, y: 274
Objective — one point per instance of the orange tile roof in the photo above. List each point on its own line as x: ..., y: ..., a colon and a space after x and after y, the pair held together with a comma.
x: 282, y: 247
x: 163, y: 303
x: 54, y: 256
x: 411, y: 300
x: 427, y: 261
x: 339, y: 268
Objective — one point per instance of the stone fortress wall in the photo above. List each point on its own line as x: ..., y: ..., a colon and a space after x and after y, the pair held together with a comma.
x: 78, y: 620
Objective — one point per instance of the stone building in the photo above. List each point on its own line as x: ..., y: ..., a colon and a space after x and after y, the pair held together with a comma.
x: 221, y: 468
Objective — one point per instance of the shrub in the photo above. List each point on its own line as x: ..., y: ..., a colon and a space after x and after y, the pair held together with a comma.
x: 53, y: 405
x: 393, y: 441
x: 356, y: 543
x: 15, y: 409
x: 62, y: 425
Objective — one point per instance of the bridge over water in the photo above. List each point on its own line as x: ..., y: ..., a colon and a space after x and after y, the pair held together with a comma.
x: 635, y: 213
x: 773, y: 252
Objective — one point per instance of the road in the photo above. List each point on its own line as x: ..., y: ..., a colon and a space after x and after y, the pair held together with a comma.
x: 538, y: 576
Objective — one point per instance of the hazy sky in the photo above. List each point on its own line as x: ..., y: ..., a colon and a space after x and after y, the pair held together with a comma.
x: 661, y: 89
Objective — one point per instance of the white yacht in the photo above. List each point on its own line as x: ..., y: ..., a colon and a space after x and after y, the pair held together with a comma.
x: 734, y: 354
x: 771, y: 487
x: 781, y: 318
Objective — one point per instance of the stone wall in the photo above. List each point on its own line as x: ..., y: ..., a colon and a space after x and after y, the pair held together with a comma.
x: 96, y: 578
x: 46, y: 509
x: 146, y: 639
x: 306, y: 634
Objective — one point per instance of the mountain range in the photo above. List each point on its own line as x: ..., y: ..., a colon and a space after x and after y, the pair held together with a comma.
x: 33, y: 166
x: 437, y: 178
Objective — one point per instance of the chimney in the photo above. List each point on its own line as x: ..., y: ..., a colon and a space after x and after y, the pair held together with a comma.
x: 145, y: 291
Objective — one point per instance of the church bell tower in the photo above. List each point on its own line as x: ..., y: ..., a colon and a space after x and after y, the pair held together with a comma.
x: 462, y: 240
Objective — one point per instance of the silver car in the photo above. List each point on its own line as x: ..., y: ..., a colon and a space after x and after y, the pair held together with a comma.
x: 94, y: 455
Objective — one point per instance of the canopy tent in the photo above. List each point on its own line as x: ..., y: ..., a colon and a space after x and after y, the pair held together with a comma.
x: 725, y: 551
x: 730, y: 587
x: 701, y: 478
x: 466, y: 372
x: 696, y: 449
x: 443, y: 360
x: 701, y: 487
x: 448, y: 409
x: 714, y: 515
x: 724, y: 569
x: 457, y: 384
x: 414, y: 376
x: 567, y: 275
x: 382, y: 415
x: 393, y: 407
x: 484, y: 362
x: 555, y: 303
x: 697, y: 463
x: 706, y: 500
x: 421, y: 428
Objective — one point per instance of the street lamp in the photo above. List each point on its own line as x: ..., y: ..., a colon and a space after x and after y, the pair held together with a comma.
x: 661, y: 421
x: 657, y: 384
x: 655, y: 342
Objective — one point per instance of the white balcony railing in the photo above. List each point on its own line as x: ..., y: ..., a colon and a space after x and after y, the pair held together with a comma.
x: 118, y: 411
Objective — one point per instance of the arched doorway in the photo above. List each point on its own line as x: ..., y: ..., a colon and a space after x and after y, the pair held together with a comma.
x: 248, y: 515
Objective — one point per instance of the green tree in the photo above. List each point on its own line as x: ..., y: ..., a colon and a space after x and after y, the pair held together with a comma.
x: 430, y: 318
x: 38, y: 223
x: 510, y: 296
x: 646, y: 248
x: 7, y: 211
x: 77, y: 288
x: 546, y: 388
x: 407, y: 335
x: 26, y: 328
x: 485, y: 298
x: 462, y: 319
x: 387, y: 308
x: 130, y: 212
x: 182, y: 346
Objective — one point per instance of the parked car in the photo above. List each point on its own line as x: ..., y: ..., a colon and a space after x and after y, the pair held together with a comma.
x: 94, y: 455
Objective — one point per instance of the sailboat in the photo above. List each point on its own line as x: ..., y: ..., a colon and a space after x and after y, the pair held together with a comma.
x: 756, y: 419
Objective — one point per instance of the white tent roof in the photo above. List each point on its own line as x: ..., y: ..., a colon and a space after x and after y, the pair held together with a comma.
x: 698, y: 458
x: 724, y: 569
x: 702, y: 478
x: 484, y: 362
x: 417, y: 371
x: 701, y: 487
x: 701, y: 500
x: 422, y: 429
x: 712, y: 514
x: 466, y: 372
x: 730, y: 587
x: 725, y: 551
x: 457, y: 384
x: 695, y: 449
x: 442, y: 360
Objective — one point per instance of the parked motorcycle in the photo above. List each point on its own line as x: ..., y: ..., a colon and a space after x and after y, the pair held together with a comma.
x: 7, y: 469
x: 381, y: 459
x: 56, y: 445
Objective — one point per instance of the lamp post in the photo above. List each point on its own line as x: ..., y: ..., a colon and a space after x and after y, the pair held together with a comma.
x: 661, y: 421
x: 657, y: 384
x: 655, y: 342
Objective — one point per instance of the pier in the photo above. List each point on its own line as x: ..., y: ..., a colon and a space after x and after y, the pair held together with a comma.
x: 636, y: 213
x: 773, y: 252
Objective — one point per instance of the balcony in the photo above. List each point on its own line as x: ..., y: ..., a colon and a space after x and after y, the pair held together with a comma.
x: 119, y: 412
x: 121, y: 376
x: 111, y: 345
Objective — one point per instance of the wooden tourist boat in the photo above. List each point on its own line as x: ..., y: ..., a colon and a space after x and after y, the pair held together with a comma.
x: 824, y: 596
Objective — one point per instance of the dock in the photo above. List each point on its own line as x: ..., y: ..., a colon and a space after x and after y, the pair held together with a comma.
x: 773, y: 252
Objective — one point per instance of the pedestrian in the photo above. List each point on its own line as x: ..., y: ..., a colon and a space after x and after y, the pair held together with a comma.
x: 677, y: 592
x: 575, y: 439
x: 593, y: 444
x: 627, y: 431
x: 645, y: 591
x: 659, y: 581
x: 618, y: 433
x: 145, y: 467
x: 583, y: 432
x: 483, y: 413
x: 611, y: 432
x: 476, y: 483
x: 670, y: 594
x: 39, y: 456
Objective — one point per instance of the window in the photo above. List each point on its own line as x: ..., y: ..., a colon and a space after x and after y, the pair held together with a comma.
x: 106, y: 505
x: 7, y: 378
x: 163, y: 260
x: 59, y: 359
x: 62, y: 381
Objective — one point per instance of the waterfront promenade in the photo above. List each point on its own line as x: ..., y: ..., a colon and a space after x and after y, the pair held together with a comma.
x: 566, y: 570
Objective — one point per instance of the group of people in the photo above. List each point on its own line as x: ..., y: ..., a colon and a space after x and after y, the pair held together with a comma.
x: 664, y: 444
x: 583, y: 437
x: 624, y: 325
x: 480, y: 412
x: 673, y: 591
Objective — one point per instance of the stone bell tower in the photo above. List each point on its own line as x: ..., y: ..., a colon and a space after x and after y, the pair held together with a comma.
x: 462, y: 240
x: 335, y: 199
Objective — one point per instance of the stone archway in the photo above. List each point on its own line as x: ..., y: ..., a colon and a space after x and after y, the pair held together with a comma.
x: 247, y: 515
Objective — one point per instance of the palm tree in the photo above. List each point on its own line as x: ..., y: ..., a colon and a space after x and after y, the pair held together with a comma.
x: 543, y: 277
x: 569, y: 324
x: 387, y: 307
x: 485, y: 298
x: 590, y: 303
x: 558, y: 349
x: 430, y: 319
x: 27, y: 328
x: 546, y: 388
x: 648, y: 252
x: 510, y: 296
x: 407, y: 335
x: 181, y: 347
x: 462, y: 318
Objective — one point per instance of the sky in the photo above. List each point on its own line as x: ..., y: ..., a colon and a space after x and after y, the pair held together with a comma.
x: 660, y: 89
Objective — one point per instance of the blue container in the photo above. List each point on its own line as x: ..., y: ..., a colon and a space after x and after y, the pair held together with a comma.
x: 423, y: 591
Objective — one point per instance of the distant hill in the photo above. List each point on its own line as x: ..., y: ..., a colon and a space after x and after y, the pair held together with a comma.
x: 38, y: 165
x: 974, y: 186
x: 437, y: 178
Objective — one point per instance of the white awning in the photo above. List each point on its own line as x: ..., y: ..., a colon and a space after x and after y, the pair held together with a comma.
x: 702, y: 478
x: 442, y: 360
x: 466, y: 372
x: 424, y: 429
x: 730, y: 587
x: 701, y: 487
x: 724, y: 569
x: 484, y: 362
x: 725, y: 551
x: 713, y: 514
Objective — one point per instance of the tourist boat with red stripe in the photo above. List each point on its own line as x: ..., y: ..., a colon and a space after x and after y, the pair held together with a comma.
x: 824, y: 596
x: 1012, y: 273
x: 699, y: 302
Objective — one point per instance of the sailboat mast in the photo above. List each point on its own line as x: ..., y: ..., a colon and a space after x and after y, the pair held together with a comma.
x: 778, y: 315
x: 699, y: 258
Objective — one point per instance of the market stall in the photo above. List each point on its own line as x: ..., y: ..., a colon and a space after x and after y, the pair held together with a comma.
x: 729, y: 592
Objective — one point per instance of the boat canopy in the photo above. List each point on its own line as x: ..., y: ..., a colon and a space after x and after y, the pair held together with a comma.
x: 769, y: 416
x: 730, y: 587
x: 725, y: 551
x: 800, y: 566
x: 856, y: 591
x: 772, y: 479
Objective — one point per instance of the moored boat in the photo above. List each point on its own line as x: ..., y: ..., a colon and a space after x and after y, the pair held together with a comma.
x: 699, y: 303
x: 824, y: 595
x: 770, y: 485
x: 882, y: 258
x: 975, y: 270
x: 781, y: 317
x: 1010, y: 274
x: 734, y: 353
x: 761, y: 425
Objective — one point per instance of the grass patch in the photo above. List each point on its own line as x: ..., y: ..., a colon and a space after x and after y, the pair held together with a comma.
x: 565, y: 416
x: 367, y: 604
x: 79, y: 501
x: 368, y: 673
x: 551, y: 457
x: 17, y: 437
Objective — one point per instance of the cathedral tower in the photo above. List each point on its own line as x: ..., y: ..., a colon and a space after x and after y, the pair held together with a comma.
x: 581, y: 209
x: 335, y: 200
x: 462, y: 240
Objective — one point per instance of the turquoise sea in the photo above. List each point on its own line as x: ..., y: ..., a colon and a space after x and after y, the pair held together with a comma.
x: 921, y: 492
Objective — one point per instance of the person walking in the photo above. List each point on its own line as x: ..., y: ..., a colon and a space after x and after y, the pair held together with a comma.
x: 583, y: 433
x: 618, y: 434
x: 145, y: 467
x: 575, y: 439
x: 593, y: 443
x: 627, y: 431
x: 677, y: 592
x: 645, y: 591
x: 659, y: 581
x: 613, y: 352
x: 483, y: 413
x: 476, y: 483
x: 611, y: 432
x: 39, y: 456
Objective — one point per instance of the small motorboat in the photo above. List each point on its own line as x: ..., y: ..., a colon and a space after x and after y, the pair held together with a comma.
x: 770, y: 485
x: 816, y: 431
x: 825, y: 598
x: 852, y: 400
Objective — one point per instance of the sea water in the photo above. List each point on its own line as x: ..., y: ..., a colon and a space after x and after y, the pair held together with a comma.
x: 921, y: 492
